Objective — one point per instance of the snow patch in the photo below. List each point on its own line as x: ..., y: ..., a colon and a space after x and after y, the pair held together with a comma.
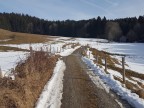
x: 9, y: 60
x: 126, y: 94
x: 52, y: 93
x: 97, y: 81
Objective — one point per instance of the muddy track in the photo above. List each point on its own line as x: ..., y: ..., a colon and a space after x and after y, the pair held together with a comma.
x: 78, y: 89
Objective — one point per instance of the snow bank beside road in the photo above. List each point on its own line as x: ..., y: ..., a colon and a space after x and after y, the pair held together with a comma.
x: 126, y: 94
x: 52, y: 93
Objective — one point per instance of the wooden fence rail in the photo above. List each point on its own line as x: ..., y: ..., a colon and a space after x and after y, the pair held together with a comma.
x: 106, y: 65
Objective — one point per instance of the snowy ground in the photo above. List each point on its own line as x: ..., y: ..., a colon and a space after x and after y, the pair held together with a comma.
x: 52, y: 93
x: 134, y: 51
x: 8, y: 60
x: 108, y: 79
x: 135, y: 60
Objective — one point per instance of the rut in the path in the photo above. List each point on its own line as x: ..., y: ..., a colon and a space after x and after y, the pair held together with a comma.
x: 79, y: 91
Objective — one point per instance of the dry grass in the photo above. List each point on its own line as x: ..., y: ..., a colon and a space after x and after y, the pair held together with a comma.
x: 102, y: 55
x: 111, y: 64
x: 136, y: 88
x: 133, y: 87
x: 8, y: 48
x: 20, y: 38
x: 72, y: 45
x: 75, y: 45
x: 30, y: 79
x: 65, y: 45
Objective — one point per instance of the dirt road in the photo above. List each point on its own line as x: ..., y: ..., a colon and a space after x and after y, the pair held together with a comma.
x: 78, y: 89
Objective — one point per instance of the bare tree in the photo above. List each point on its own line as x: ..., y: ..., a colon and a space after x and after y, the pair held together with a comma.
x: 113, y: 31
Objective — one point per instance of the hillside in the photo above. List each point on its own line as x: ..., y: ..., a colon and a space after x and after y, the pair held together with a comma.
x: 8, y: 37
x: 123, y: 30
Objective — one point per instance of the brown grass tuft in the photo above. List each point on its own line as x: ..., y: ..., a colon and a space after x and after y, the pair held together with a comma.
x: 31, y: 77
x: 8, y: 48
x: 140, y: 93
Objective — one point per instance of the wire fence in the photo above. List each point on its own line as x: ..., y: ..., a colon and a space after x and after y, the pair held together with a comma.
x: 13, y: 60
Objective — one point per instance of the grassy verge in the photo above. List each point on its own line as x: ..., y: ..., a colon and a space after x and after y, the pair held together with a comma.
x: 31, y: 76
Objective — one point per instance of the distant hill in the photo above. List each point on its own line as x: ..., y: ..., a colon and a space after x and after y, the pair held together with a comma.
x: 8, y: 37
x: 126, y: 29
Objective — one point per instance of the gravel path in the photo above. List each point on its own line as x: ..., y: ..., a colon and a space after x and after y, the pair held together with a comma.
x: 78, y: 89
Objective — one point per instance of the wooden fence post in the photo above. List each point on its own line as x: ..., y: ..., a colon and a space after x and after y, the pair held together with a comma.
x: 123, y: 66
x: 54, y: 51
x: 0, y: 73
x: 41, y: 49
x: 89, y: 55
x: 105, y: 63
x: 32, y: 58
x: 31, y: 51
x: 57, y: 49
x: 97, y: 59
x: 60, y: 49
x: 47, y: 49
x: 50, y: 48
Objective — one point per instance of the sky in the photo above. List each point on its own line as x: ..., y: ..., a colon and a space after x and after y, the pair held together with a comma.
x: 74, y: 9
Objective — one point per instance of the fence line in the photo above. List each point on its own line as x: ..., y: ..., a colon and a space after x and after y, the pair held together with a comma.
x: 123, y: 66
x: 106, y: 66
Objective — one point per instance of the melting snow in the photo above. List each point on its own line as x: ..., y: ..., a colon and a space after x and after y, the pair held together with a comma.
x: 126, y: 94
x: 52, y: 93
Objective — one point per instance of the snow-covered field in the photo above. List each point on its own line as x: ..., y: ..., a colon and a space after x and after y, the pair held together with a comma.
x: 134, y: 59
x: 8, y: 60
x: 134, y: 51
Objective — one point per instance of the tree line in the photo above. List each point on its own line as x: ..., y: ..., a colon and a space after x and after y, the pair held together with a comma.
x: 120, y: 30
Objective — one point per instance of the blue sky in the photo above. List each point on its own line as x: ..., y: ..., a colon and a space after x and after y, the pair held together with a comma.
x: 74, y: 9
